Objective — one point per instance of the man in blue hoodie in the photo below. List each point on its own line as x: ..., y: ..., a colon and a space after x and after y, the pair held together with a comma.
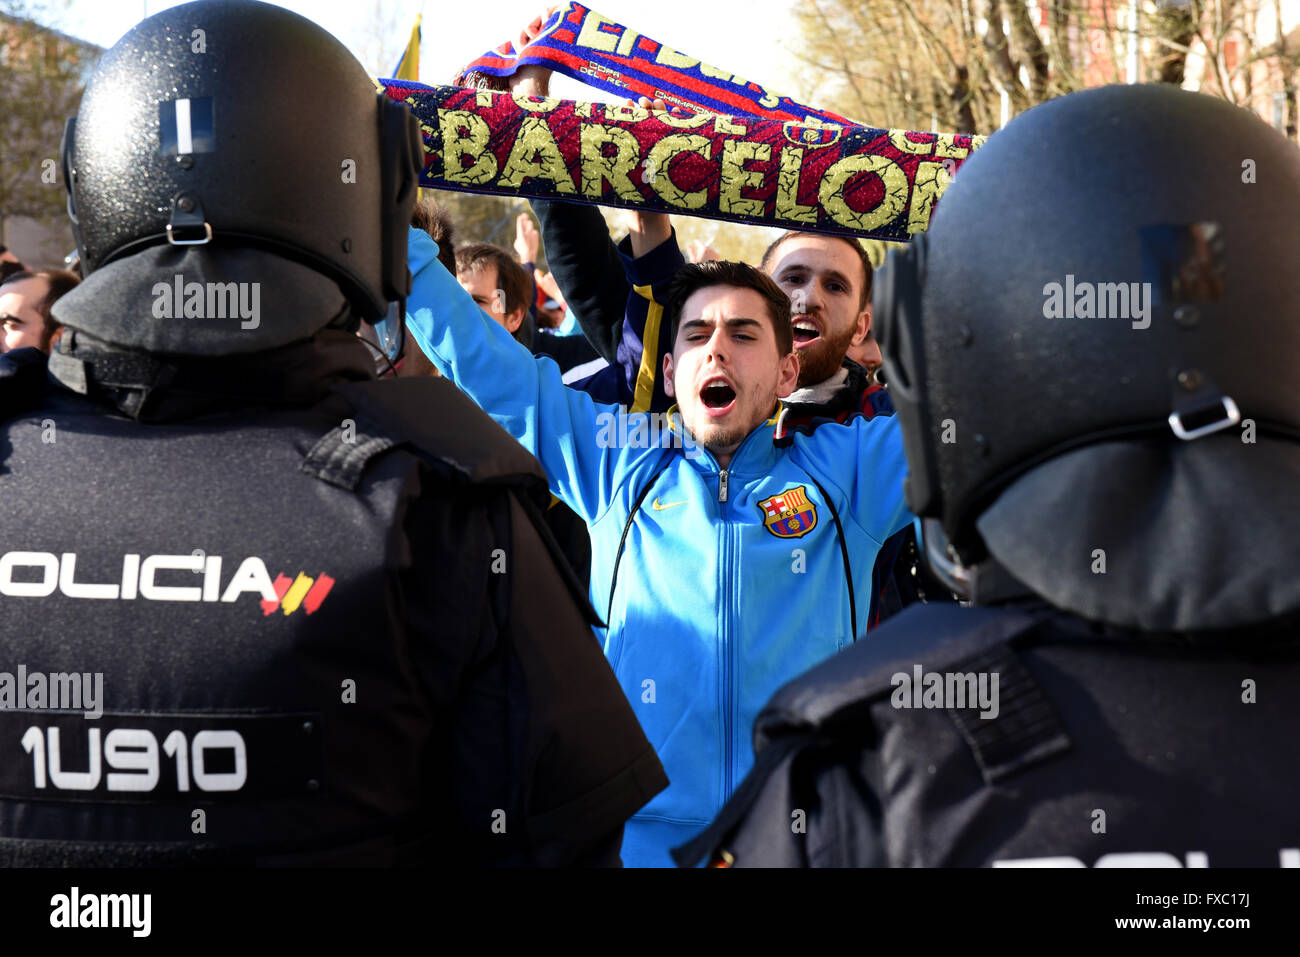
x: 720, y: 556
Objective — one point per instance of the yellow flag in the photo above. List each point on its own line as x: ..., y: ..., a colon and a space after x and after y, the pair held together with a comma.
x: 408, y: 67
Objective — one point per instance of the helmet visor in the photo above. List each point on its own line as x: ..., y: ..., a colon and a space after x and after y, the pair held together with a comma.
x: 387, y: 337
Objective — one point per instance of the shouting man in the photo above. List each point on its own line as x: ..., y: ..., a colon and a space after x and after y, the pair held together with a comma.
x: 721, y: 571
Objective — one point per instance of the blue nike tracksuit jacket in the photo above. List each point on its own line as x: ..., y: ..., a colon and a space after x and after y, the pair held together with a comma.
x: 731, y: 581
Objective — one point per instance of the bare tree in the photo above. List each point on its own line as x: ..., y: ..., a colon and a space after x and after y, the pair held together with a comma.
x: 42, y: 74
x: 1288, y: 61
x: 947, y: 64
x: 387, y: 30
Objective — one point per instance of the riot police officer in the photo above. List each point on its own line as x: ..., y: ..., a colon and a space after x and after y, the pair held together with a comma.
x: 319, y: 612
x: 1103, y: 316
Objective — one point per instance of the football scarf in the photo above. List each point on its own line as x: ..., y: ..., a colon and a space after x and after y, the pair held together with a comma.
x: 581, y: 44
x: 754, y: 157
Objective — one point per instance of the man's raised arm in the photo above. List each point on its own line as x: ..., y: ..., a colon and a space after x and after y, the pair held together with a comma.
x: 523, y: 394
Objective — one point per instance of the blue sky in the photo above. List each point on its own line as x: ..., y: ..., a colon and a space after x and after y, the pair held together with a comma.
x: 745, y: 37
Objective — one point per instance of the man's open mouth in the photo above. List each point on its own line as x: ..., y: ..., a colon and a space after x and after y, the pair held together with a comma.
x: 717, y: 397
x: 805, y: 331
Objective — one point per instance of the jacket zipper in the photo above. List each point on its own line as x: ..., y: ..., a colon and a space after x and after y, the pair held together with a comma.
x: 725, y: 597
x: 728, y: 666
x: 731, y: 586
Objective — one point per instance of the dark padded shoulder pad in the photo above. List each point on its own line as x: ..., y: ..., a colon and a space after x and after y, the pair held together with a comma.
x: 430, y: 417
x: 930, y: 635
x: 938, y: 638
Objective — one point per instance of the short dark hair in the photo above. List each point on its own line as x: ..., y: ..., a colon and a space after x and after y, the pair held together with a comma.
x: 433, y: 218
x: 693, y: 277
x: 868, y: 271
x: 61, y: 282
x: 511, y: 278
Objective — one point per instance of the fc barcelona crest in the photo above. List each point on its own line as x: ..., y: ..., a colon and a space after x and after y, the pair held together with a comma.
x: 790, y: 514
x: 811, y: 133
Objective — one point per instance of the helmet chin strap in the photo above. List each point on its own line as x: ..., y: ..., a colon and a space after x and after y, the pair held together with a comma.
x: 955, y: 576
x: 383, y: 365
x: 987, y: 582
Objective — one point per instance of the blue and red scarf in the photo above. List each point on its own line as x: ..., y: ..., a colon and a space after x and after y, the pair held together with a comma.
x: 754, y: 157
x: 594, y: 50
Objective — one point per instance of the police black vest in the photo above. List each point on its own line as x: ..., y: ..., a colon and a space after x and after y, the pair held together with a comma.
x: 1098, y: 747
x: 235, y: 591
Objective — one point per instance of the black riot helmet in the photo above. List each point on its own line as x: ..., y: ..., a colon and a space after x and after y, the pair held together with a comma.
x: 236, y: 124
x: 1101, y: 327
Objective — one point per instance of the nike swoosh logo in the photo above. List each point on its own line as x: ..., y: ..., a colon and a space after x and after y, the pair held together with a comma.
x: 659, y: 508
